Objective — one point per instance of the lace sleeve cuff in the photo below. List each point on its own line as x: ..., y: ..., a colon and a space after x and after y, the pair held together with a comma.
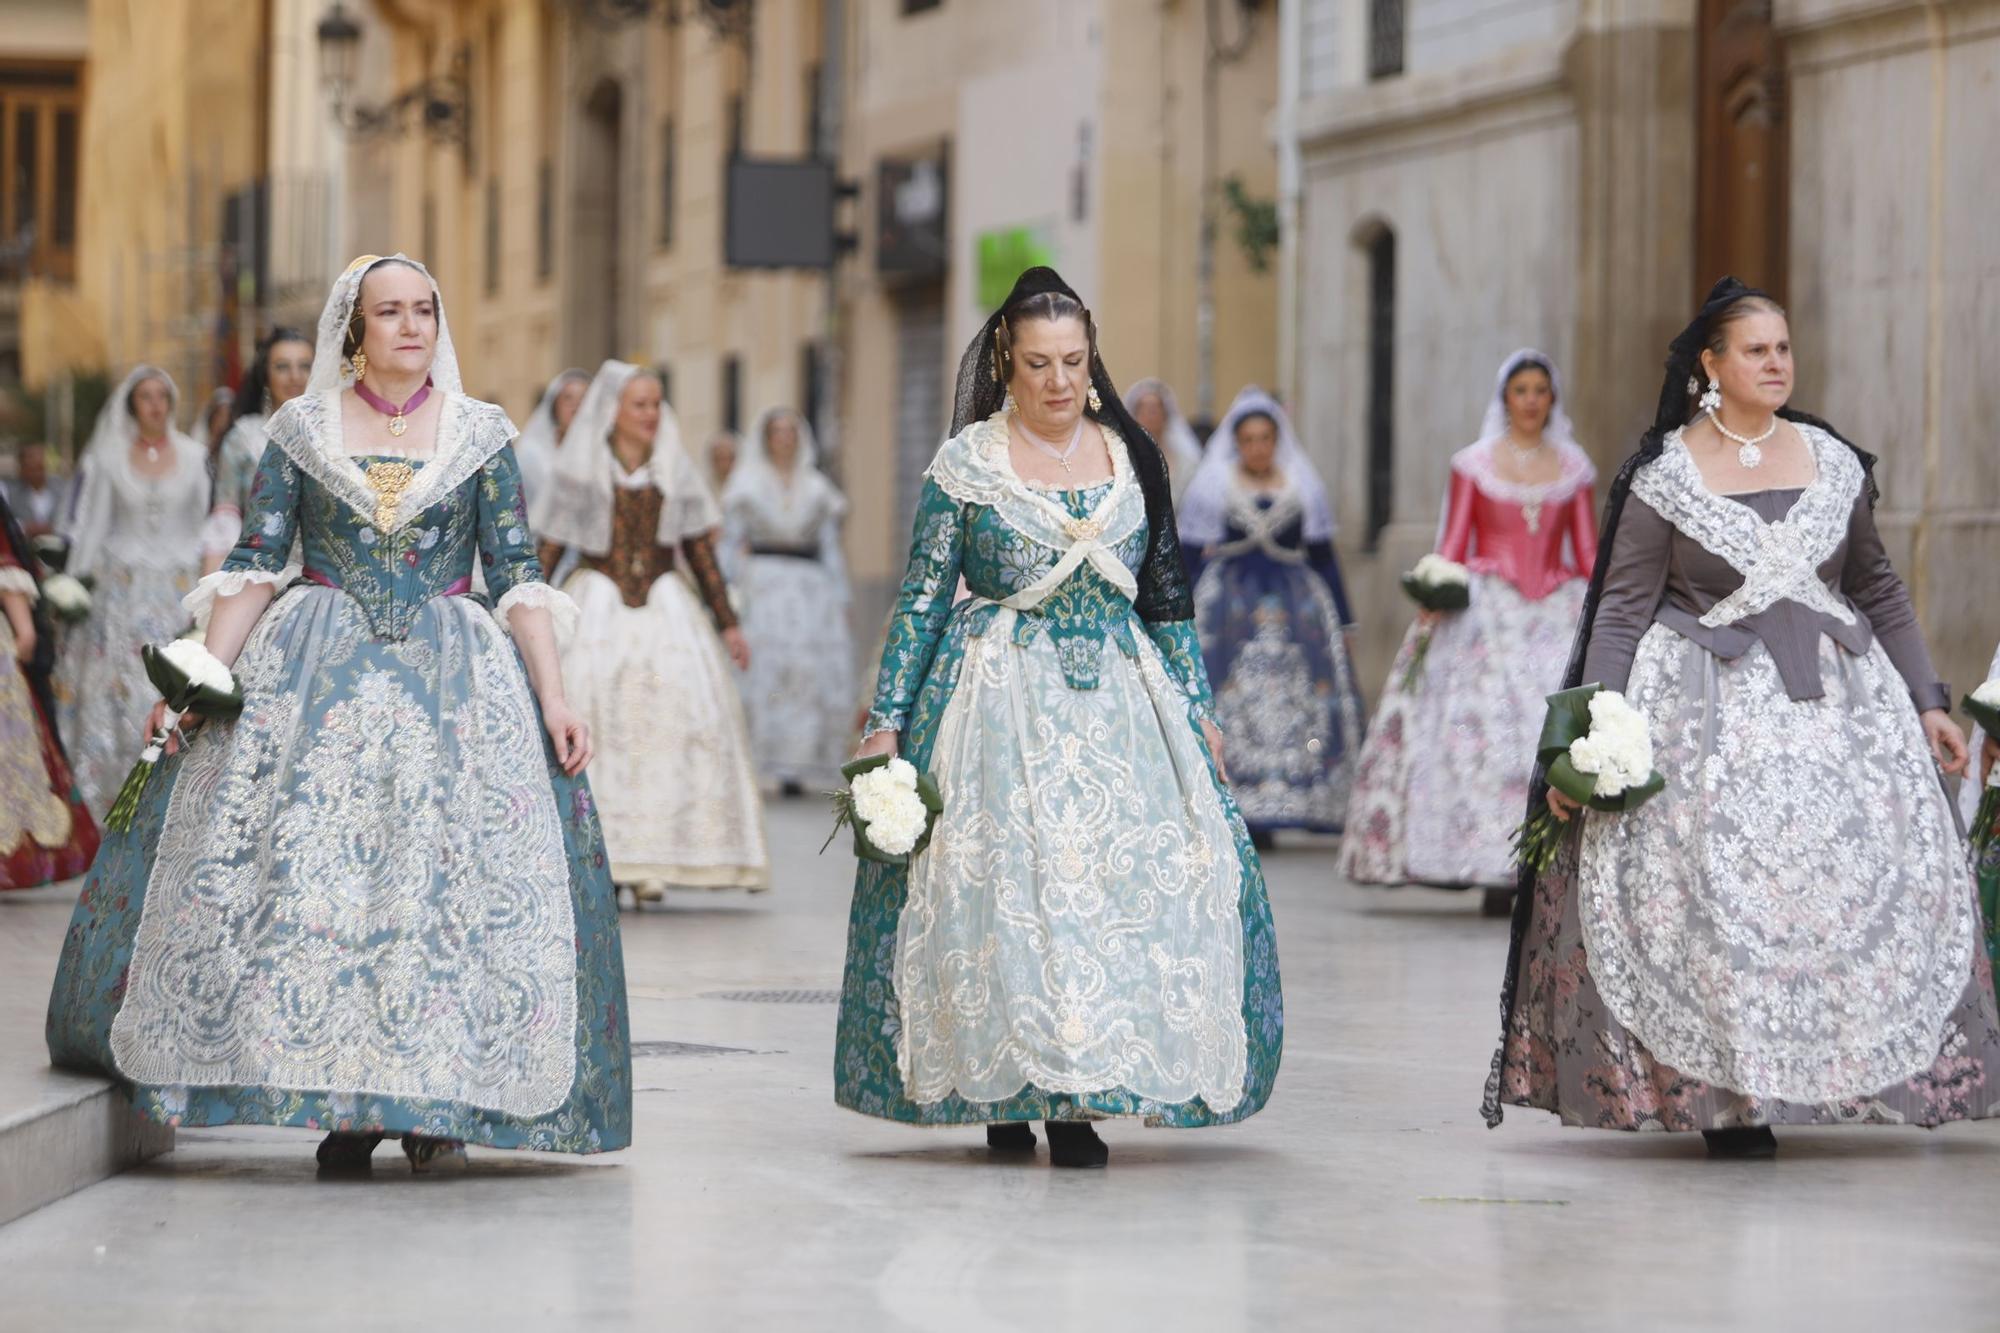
x: 879, y: 721
x: 15, y: 579
x: 562, y: 611
x: 227, y: 583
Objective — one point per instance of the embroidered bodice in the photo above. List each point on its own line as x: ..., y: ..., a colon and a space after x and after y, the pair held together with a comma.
x: 795, y: 520
x: 1270, y: 525
x: 1536, y: 537
x: 1046, y: 563
x: 390, y: 533
x: 1783, y: 567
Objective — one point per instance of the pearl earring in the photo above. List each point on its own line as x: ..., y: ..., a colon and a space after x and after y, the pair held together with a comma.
x: 1096, y: 403
x: 1713, y: 398
x: 1007, y: 403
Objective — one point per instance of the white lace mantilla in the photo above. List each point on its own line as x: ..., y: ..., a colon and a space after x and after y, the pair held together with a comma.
x: 1778, y: 561
x: 469, y: 432
x: 973, y: 468
x: 1476, y: 462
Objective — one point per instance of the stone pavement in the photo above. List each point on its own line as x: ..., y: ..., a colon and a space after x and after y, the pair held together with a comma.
x: 1368, y: 1196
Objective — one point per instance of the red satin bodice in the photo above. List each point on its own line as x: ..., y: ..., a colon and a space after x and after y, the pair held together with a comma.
x: 1536, y: 538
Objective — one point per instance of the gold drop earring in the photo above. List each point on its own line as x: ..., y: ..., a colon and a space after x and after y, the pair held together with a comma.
x: 1096, y: 403
x: 359, y: 363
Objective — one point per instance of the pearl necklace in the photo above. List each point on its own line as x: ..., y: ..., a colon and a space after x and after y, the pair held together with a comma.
x: 1748, y: 451
x: 1524, y: 455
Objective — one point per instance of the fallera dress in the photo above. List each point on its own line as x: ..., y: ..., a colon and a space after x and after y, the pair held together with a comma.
x: 1088, y: 933
x: 1788, y: 933
x: 374, y: 901
x: 1443, y: 776
x: 46, y: 832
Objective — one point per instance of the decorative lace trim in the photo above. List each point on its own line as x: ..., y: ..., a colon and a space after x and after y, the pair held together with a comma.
x: 1476, y: 462
x: 972, y: 468
x: 227, y: 583
x: 469, y: 432
x: 21, y: 581
x: 1261, y: 525
x: 562, y: 611
x: 1778, y: 561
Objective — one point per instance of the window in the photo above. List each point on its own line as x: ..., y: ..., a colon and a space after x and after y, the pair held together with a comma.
x: 1385, y: 38
x: 735, y: 124
x: 666, y: 374
x: 492, y: 235
x: 428, y: 230
x: 732, y: 392
x: 545, y: 219
x: 668, y: 152
x: 40, y: 107
x: 1381, y: 383
x: 815, y: 125
x: 919, y: 6
x: 808, y: 399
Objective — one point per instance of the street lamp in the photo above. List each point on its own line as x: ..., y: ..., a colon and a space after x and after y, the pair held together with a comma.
x: 441, y: 107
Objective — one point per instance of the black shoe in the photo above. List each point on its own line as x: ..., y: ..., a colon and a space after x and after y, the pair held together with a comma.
x: 1075, y: 1143
x: 1753, y: 1143
x: 346, y: 1154
x: 1497, y: 902
x: 791, y: 790
x: 1263, y: 839
x: 1013, y: 1136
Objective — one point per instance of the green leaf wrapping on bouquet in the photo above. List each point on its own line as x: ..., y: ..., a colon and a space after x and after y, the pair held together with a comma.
x: 1986, y: 715
x: 183, y: 695
x: 1567, y: 722
x: 843, y: 812
x: 1985, y: 827
x: 1437, y: 596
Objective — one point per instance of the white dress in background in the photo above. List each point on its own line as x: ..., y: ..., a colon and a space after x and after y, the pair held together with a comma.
x: 138, y: 538
x: 784, y: 548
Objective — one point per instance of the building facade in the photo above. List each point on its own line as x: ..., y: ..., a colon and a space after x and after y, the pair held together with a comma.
x: 1094, y: 135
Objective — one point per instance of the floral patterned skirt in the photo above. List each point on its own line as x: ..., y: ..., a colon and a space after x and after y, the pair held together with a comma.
x: 1443, y: 777
x: 46, y: 832
x: 1285, y: 694
x: 1785, y: 935
x: 1003, y: 873
x: 372, y: 902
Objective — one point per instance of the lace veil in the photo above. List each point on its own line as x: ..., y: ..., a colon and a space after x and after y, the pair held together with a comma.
x: 1163, y: 585
x: 331, y: 369
x: 107, y: 468
x: 755, y: 478
x: 1181, y: 446
x: 1207, y: 499
x: 537, y: 447
x: 582, y: 489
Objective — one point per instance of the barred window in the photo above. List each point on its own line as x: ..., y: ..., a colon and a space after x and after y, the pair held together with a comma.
x: 1385, y: 38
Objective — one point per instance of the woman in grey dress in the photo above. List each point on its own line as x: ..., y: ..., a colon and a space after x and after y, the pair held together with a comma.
x: 1787, y: 934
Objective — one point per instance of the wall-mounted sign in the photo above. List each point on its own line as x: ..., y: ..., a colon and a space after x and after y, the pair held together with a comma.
x: 1005, y: 253
x: 912, y: 210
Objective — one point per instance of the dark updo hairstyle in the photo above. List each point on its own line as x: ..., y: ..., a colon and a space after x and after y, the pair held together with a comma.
x: 1254, y: 414
x: 1047, y: 307
x: 357, y: 324
x: 255, y: 400
x: 1528, y: 363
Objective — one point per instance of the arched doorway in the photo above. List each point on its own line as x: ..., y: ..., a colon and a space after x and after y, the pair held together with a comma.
x: 596, y: 322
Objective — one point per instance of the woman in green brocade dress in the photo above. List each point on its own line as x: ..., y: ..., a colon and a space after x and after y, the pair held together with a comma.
x: 1087, y: 934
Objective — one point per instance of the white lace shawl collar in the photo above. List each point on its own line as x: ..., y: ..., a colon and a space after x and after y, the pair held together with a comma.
x: 1780, y: 560
x: 1476, y: 462
x: 973, y: 468
x: 469, y: 432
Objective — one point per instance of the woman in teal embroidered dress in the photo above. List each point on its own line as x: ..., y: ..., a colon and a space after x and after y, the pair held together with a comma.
x: 1088, y: 933
x: 377, y: 902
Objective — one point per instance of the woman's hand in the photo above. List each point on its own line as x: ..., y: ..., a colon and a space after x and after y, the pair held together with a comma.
x: 882, y: 742
x: 157, y: 719
x: 571, y: 735
x: 1427, y: 619
x: 24, y: 645
x: 737, y: 647
x: 1947, y: 741
x: 1561, y: 806
x: 1211, y: 735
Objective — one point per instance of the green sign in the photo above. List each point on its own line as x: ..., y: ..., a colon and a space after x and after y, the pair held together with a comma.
x: 1007, y: 253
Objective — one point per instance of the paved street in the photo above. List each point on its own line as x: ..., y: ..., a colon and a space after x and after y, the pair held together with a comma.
x: 1368, y: 1196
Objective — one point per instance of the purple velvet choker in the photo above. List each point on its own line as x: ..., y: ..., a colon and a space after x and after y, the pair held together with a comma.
x: 397, y: 415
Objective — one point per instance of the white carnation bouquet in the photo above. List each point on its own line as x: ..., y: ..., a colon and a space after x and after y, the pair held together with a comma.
x: 1598, y: 751
x: 66, y: 597
x: 1435, y: 584
x: 890, y: 806
x: 192, y: 680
